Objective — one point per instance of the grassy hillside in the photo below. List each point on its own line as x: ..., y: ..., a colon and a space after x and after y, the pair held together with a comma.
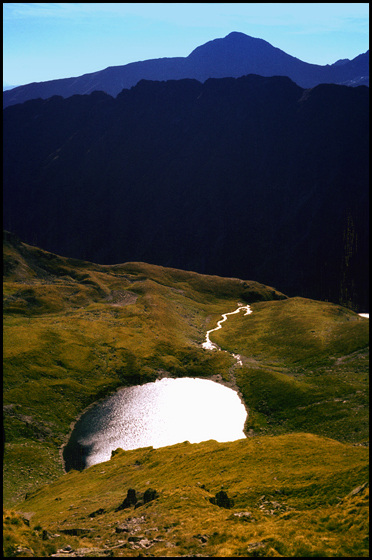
x: 305, y: 367
x: 75, y: 331
x: 294, y: 495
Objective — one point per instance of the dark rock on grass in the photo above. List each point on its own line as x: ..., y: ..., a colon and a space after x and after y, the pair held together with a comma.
x: 149, y: 495
x: 221, y: 499
x: 138, y: 499
x: 99, y: 511
x: 130, y: 500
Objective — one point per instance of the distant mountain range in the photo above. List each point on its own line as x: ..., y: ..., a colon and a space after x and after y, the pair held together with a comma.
x: 235, y: 55
x: 251, y: 177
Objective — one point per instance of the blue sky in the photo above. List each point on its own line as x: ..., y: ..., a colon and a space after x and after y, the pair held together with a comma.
x: 45, y: 41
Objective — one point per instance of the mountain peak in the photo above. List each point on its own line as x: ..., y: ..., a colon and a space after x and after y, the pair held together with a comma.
x: 238, y: 35
x: 233, y: 41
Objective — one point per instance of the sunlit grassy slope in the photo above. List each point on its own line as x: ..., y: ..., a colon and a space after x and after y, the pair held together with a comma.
x: 305, y: 367
x: 291, y: 498
x: 74, y: 331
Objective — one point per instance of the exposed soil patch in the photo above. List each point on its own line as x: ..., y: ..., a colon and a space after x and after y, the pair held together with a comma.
x: 363, y: 353
x: 120, y: 298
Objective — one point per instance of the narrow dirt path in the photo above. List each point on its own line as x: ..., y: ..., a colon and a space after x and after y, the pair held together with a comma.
x: 208, y: 344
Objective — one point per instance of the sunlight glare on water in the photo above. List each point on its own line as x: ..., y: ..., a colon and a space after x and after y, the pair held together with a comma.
x: 162, y: 413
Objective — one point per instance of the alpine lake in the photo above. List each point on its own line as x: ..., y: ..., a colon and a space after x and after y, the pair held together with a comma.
x: 157, y: 414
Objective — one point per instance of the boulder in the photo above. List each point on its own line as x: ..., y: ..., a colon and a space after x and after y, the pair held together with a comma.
x: 130, y: 500
x: 149, y: 495
x: 138, y: 499
x: 221, y: 499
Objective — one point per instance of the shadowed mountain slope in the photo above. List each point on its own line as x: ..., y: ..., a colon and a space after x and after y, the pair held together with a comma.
x: 235, y: 55
x: 250, y: 177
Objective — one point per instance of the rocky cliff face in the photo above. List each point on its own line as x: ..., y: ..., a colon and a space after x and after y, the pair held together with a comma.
x: 252, y: 177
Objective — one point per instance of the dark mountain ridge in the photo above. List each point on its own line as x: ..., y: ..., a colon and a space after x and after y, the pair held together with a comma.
x: 251, y: 177
x: 235, y: 55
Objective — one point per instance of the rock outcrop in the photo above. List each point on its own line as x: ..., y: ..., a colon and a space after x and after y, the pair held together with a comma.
x: 137, y: 499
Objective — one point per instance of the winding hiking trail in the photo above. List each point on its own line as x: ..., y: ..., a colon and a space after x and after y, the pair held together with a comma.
x: 209, y: 345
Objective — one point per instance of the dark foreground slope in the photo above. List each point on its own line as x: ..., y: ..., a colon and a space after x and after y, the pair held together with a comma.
x: 250, y: 177
x: 74, y: 330
x: 235, y: 55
